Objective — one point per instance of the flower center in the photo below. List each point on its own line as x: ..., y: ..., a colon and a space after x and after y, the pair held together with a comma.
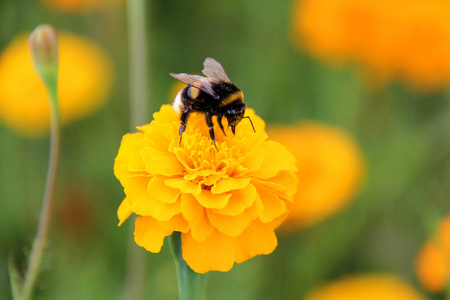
x: 203, y: 164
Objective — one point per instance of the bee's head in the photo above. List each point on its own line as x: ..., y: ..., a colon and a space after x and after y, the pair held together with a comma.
x: 234, y: 115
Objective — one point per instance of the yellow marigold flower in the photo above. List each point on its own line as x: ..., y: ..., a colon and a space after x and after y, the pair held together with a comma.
x: 80, y: 6
x: 367, y: 287
x: 84, y: 82
x: 390, y: 38
x: 330, y: 170
x: 433, y: 260
x: 226, y: 203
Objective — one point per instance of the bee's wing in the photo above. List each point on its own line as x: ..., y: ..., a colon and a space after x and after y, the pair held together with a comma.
x: 214, y: 70
x: 197, y: 81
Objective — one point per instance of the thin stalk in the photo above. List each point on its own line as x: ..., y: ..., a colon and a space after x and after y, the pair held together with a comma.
x: 190, y: 283
x: 47, y: 202
x: 138, y: 51
x: 138, y: 85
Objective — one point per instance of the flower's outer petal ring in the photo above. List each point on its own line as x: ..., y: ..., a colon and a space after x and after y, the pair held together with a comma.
x: 124, y: 211
x: 145, y: 204
x: 216, y: 253
x: 278, y: 158
x: 162, y: 192
x: 176, y: 223
x: 272, y: 207
x: 127, y: 147
x: 195, y: 214
x: 149, y: 234
x: 233, y: 225
x: 186, y: 187
x: 161, y: 163
x: 257, y: 239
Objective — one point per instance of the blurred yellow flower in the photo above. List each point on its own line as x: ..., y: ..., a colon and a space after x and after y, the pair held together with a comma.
x: 226, y: 203
x: 390, y: 38
x: 84, y: 82
x: 433, y: 260
x: 330, y: 170
x: 366, y: 287
x: 80, y: 6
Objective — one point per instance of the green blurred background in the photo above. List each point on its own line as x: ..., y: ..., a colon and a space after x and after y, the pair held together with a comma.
x: 403, y: 134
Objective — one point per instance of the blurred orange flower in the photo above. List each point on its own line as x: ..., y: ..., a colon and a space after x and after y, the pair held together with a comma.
x: 80, y: 6
x: 390, y: 38
x: 226, y: 203
x: 84, y: 82
x: 330, y: 170
x: 433, y: 260
x: 367, y: 287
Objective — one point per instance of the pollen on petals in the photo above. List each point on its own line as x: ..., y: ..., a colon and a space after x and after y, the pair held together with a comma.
x: 224, y: 201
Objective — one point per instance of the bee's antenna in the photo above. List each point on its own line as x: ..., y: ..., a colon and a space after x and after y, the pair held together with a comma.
x: 251, y: 123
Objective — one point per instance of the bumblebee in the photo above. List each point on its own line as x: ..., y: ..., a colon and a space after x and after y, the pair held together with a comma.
x: 213, y: 95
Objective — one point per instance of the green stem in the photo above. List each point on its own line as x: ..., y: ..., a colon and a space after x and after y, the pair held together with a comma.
x: 138, y: 84
x: 190, y: 283
x: 44, y: 220
x: 138, y: 49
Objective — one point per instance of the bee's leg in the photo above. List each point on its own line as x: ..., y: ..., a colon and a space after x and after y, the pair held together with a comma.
x: 210, y: 124
x: 184, y: 117
x: 219, y: 121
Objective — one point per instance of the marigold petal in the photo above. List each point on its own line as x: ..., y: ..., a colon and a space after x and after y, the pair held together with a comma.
x: 253, y: 160
x: 227, y: 184
x: 257, y: 239
x: 157, y: 133
x: 275, y: 223
x: 149, y: 234
x: 201, y: 173
x: 124, y: 211
x: 176, y: 223
x: 186, y: 187
x: 210, y: 200
x: 134, y: 186
x: 213, y: 254
x: 161, y: 191
x: 288, y: 180
x: 145, y: 204
x: 135, y: 162
x: 195, y: 214
x: 161, y: 163
x: 125, y: 150
x: 271, y: 187
x: 272, y: 207
x: 166, y: 114
x: 239, y: 201
x: 278, y: 158
x: 233, y: 225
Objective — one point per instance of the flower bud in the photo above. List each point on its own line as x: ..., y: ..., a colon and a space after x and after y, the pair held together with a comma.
x: 43, y: 43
